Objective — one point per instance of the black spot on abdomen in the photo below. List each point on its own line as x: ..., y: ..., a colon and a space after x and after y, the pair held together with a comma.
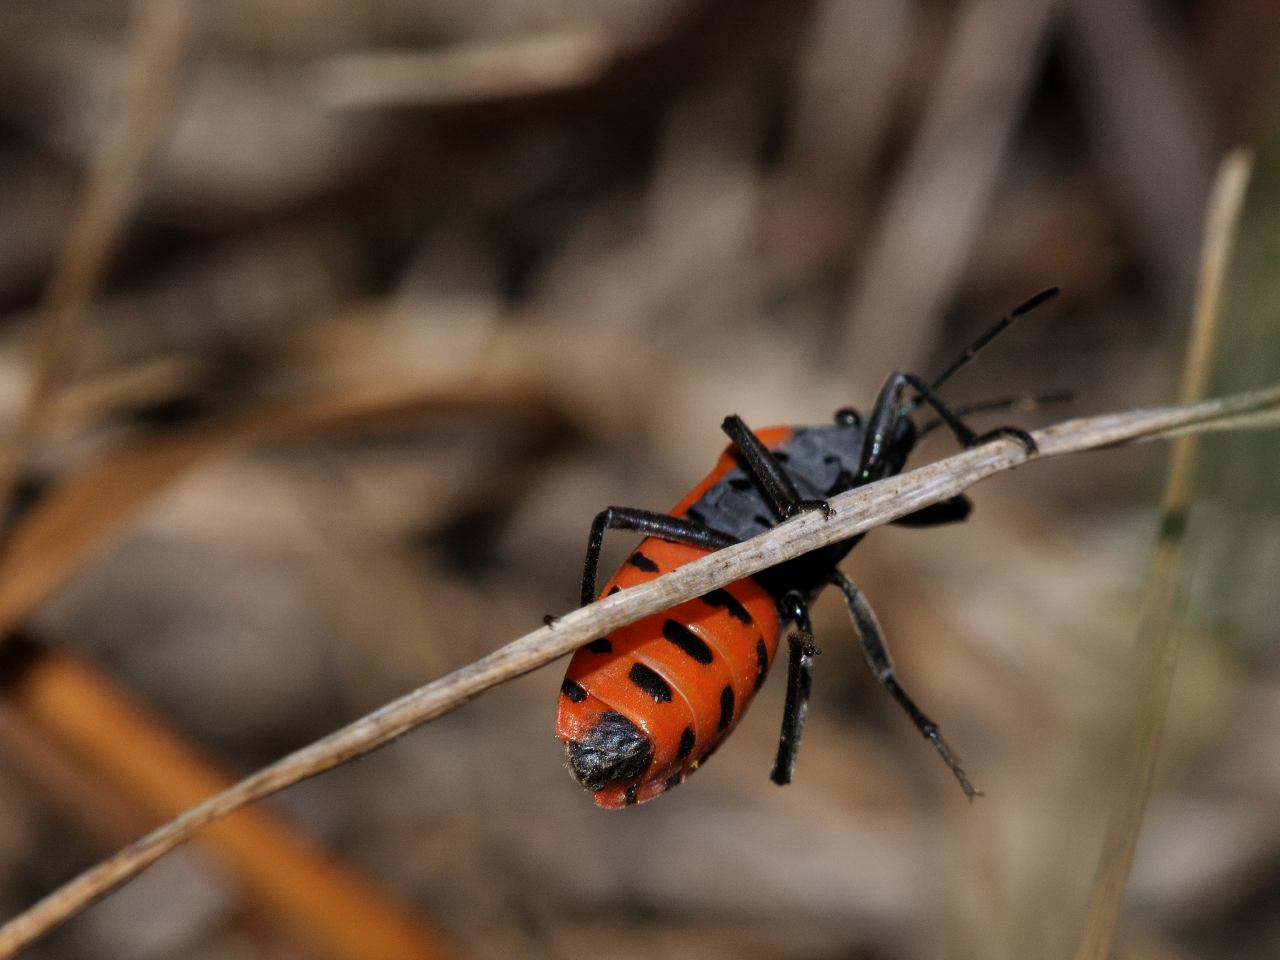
x: 723, y: 599
x: 726, y: 708
x: 684, y: 638
x: 600, y: 646
x: 650, y: 682
x: 686, y: 744
x: 573, y: 691
x: 641, y: 562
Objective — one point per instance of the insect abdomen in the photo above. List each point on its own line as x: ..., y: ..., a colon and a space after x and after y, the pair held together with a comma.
x: 670, y: 686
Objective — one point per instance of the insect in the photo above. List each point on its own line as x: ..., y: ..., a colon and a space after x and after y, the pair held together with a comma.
x: 642, y: 708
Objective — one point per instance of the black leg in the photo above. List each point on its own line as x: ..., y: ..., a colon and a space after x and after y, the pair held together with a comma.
x: 955, y: 510
x: 872, y: 641
x: 769, y: 475
x: 677, y: 529
x: 882, y: 425
x: 799, y: 682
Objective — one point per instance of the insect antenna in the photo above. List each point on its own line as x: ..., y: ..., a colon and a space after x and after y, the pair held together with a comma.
x: 985, y: 338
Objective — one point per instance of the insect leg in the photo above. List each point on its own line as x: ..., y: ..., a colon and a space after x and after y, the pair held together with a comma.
x: 677, y: 529
x: 799, y: 682
x: 872, y: 640
x: 769, y: 475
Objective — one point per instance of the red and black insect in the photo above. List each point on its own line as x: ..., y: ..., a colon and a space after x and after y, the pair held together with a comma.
x: 642, y: 708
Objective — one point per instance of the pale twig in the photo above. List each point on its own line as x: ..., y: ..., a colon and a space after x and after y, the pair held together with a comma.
x: 1164, y: 601
x: 91, y: 506
x: 517, y: 67
x: 855, y: 512
x: 926, y: 231
x: 114, y: 179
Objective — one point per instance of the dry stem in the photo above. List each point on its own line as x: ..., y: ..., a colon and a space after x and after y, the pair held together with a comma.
x: 115, y: 176
x: 1164, y: 602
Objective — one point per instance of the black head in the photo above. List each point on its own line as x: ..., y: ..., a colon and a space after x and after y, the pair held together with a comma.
x: 848, y: 441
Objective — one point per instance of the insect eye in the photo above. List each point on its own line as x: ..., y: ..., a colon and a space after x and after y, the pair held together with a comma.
x: 847, y: 417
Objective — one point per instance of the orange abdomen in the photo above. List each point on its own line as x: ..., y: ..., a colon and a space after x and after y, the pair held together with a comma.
x: 642, y: 708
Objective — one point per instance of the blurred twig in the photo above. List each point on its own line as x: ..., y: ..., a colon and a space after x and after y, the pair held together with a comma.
x: 339, y: 913
x: 480, y: 71
x: 113, y: 184
x: 856, y: 511
x: 1141, y: 106
x: 78, y: 517
x: 141, y: 384
x: 64, y: 782
x: 1159, y: 628
x: 936, y: 205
